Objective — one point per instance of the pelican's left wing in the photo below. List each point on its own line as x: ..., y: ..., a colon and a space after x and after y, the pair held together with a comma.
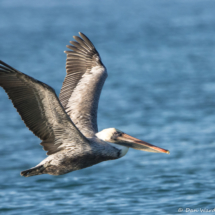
x: 41, y: 111
x: 83, y: 84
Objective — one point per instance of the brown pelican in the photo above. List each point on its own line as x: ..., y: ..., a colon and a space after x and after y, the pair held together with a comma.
x: 67, y: 125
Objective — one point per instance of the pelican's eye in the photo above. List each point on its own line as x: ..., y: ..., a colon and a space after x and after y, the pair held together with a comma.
x: 116, y: 135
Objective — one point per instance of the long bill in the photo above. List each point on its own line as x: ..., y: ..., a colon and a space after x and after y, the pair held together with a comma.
x: 132, y: 142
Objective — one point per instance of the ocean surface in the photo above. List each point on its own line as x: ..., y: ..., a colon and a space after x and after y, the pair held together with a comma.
x: 160, y: 57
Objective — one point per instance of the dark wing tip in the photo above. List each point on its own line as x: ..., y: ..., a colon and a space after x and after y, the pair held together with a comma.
x: 6, y: 66
x: 86, y: 40
x: 83, y: 49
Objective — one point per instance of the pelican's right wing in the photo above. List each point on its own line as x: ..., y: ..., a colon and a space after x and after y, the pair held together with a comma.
x: 40, y: 109
x: 83, y: 84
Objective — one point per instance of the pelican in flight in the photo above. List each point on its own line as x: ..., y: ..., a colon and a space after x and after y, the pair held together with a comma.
x: 67, y: 125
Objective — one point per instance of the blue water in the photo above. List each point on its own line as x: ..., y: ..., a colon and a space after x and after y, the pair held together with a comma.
x: 160, y: 55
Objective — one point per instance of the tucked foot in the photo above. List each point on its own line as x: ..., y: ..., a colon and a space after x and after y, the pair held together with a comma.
x: 33, y: 171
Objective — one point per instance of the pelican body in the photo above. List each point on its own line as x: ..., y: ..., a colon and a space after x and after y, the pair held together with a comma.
x: 67, y: 125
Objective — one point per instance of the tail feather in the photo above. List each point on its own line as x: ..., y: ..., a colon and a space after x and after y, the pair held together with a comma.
x: 38, y: 170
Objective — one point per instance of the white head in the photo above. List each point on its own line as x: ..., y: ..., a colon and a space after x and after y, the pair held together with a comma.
x: 108, y: 135
x: 124, y: 141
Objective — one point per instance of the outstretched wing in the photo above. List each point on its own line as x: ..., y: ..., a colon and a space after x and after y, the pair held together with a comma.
x: 83, y: 84
x: 40, y: 109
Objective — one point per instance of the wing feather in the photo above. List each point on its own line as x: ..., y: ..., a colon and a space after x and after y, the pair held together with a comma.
x: 83, y: 84
x: 40, y: 109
